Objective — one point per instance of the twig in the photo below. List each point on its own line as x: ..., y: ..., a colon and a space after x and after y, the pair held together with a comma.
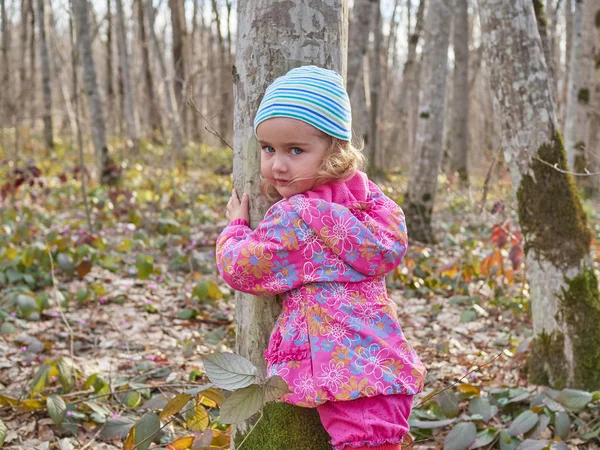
x: 251, y: 429
x: 56, y: 292
x: 430, y: 396
x: 93, y: 439
x: 73, y: 394
x: 558, y: 169
x: 488, y: 178
x: 192, y: 104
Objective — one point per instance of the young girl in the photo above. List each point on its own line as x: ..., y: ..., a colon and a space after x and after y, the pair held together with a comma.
x: 326, y: 247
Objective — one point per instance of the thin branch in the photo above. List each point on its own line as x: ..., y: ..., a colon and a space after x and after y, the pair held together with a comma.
x: 192, y: 104
x: 558, y: 169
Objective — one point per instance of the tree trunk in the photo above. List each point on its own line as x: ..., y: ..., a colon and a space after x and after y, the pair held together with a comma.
x: 362, y: 12
x: 5, y: 106
x: 223, y: 78
x: 128, y: 90
x: 402, y: 139
x: 32, y: 68
x: 153, y: 110
x: 110, y: 90
x: 565, y: 301
x: 427, y: 155
x: 459, y: 140
x: 584, y: 112
x: 566, y: 69
x: 591, y: 184
x: 374, y: 162
x: 574, y: 81
x: 177, y: 132
x: 179, y: 60
x: 274, y: 37
x: 90, y: 84
x: 46, y: 76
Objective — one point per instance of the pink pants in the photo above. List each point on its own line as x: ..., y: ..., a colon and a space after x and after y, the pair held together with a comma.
x: 367, y: 422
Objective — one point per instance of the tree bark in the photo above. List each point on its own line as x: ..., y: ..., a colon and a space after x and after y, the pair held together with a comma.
x: 374, y: 162
x: 591, y: 185
x: 46, y: 76
x: 274, y: 37
x: 154, y: 109
x: 5, y: 106
x: 574, y: 81
x: 176, y: 130
x: 402, y: 139
x: 362, y: 12
x: 179, y: 57
x: 90, y: 84
x: 128, y: 90
x: 459, y: 140
x: 110, y: 90
x: 224, y: 86
x: 427, y: 155
x: 565, y: 301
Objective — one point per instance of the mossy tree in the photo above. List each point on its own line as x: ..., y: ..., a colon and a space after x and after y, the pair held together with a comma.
x: 274, y: 37
x: 564, y: 290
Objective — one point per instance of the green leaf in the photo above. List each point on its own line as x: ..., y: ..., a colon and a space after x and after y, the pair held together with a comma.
x: 468, y: 316
x: 461, y: 437
x: 562, y: 422
x: 3, y: 432
x: 65, y: 262
x: 448, y: 402
x: 200, y: 290
x: 186, y: 314
x: 541, y: 426
x: 26, y: 304
x: 229, y: 371
x: 275, y: 388
x: 175, y: 405
x: 484, y: 438
x: 574, y: 399
x: 145, y: 265
x: 242, y: 404
x: 595, y: 396
x: 40, y: 381
x: 7, y: 328
x: 133, y: 399
x: 147, y: 426
x: 507, y: 442
x: 199, y: 420
x: 533, y: 444
x: 65, y: 373
x: 430, y: 424
x: 98, y: 409
x: 481, y: 406
x: 57, y: 408
x: 523, y: 423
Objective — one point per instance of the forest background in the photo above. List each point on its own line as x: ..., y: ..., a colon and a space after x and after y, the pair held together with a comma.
x: 117, y: 158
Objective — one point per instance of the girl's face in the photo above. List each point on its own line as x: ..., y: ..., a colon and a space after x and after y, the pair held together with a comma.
x: 292, y: 154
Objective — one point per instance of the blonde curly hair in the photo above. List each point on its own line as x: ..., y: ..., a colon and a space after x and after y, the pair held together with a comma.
x: 340, y: 162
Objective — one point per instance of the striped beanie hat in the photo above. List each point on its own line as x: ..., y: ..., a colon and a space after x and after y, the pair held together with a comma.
x: 314, y: 95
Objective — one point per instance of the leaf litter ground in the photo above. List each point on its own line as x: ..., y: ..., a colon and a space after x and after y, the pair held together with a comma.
x: 462, y: 303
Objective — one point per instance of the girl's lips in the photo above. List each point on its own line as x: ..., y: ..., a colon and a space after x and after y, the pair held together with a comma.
x: 282, y: 182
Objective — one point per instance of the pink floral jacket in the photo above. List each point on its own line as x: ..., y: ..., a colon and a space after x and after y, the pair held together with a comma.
x: 327, y: 252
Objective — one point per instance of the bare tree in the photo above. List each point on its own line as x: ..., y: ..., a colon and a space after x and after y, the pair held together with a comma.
x: 272, y: 40
x: 402, y: 138
x: 563, y: 288
x: 46, y: 75
x: 90, y: 84
x: 179, y: 56
x: 129, y: 97
x: 110, y: 90
x: 177, y: 132
x: 430, y: 123
x: 360, y: 25
x: 374, y: 159
x: 154, y: 108
x: 459, y: 129
x: 574, y: 81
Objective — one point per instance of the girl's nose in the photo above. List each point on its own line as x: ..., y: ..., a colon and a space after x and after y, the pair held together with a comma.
x: 279, y: 165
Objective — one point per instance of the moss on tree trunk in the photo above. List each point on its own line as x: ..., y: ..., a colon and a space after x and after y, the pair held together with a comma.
x: 551, y: 216
x: 580, y: 308
x: 288, y: 427
x: 555, y: 230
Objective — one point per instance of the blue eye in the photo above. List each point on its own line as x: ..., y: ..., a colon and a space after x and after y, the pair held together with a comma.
x: 297, y: 151
x: 268, y: 149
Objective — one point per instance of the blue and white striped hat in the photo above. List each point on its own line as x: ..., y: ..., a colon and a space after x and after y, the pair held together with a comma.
x: 311, y: 94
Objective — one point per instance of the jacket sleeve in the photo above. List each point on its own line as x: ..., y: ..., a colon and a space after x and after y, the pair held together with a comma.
x: 264, y: 261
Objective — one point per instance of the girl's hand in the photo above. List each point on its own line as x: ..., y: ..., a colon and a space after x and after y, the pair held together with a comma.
x: 237, y: 209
